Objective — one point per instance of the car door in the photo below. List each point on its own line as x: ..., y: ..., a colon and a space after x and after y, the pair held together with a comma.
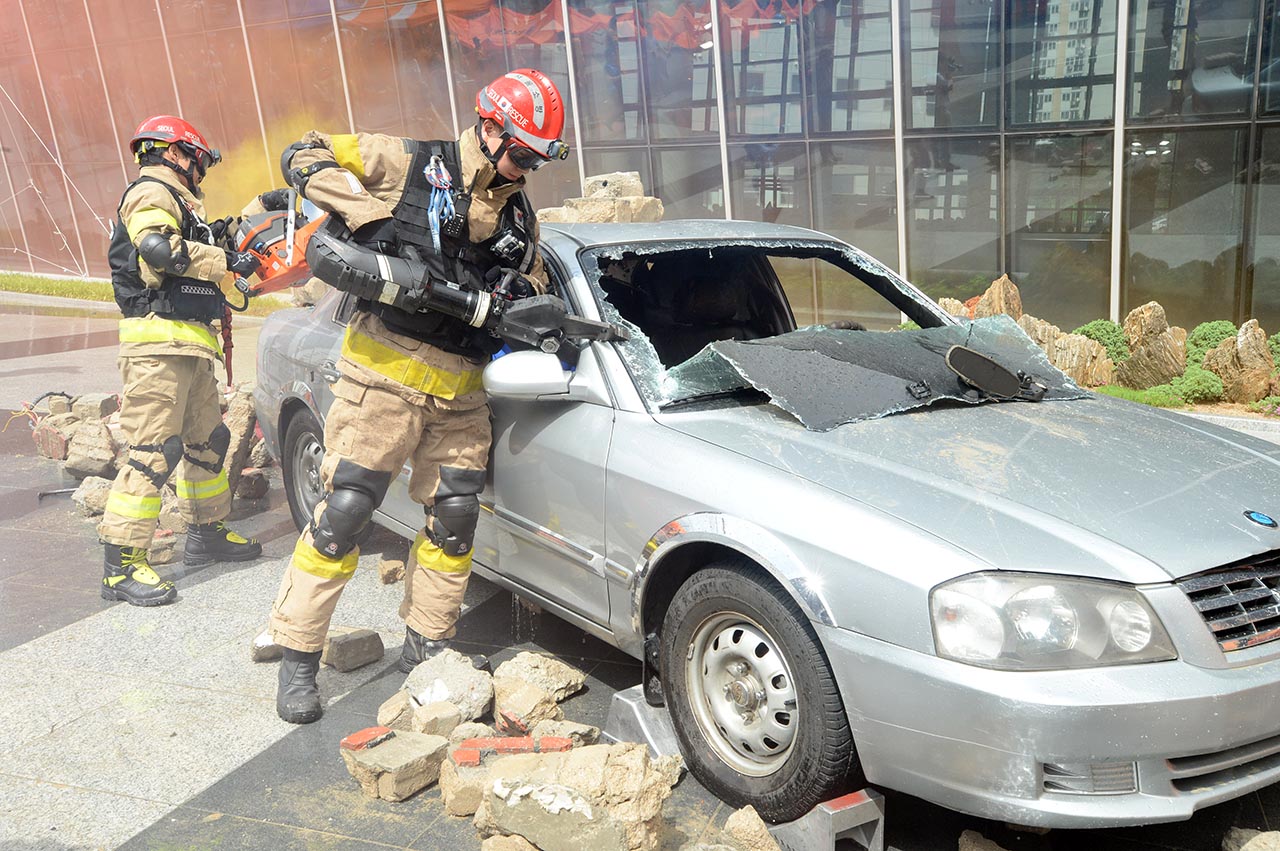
x: 548, y: 491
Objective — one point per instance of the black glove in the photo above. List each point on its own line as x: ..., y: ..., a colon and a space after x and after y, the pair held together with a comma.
x: 508, y: 283
x: 274, y: 200
x: 380, y: 236
x: 223, y: 231
x: 243, y: 263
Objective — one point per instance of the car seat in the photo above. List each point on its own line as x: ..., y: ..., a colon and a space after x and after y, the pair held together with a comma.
x: 703, y: 310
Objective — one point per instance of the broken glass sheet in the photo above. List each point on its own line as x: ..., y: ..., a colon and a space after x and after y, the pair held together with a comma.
x: 826, y: 377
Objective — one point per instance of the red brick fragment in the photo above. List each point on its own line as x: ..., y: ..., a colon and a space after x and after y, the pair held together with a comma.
x: 468, y: 757
x: 513, y: 744
x: 510, y: 723
x: 554, y: 744
x: 484, y: 744
x: 367, y: 738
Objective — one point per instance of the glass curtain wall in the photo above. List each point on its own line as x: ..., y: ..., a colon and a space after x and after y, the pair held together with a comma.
x: 1013, y: 123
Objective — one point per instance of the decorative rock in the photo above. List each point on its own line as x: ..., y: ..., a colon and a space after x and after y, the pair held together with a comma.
x: 451, y: 676
x: 518, y: 705
x: 263, y: 648
x: 390, y: 571
x: 1084, y: 360
x: 748, y: 831
x: 579, y: 734
x: 95, y: 406
x: 1001, y: 297
x: 1244, y: 364
x: 1143, y: 323
x: 618, y: 184
x: 602, y: 796
x: 549, y: 674
x: 1158, y: 354
x: 396, y: 712
x: 470, y: 730
x: 346, y: 648
x: 393, y: 765
x: 91, y: 496
x: 953, y: 306
x: 438, y: 719
x: 162, y: 547
x: 241, y: 419
x: 91, y: 451
x: 58, y: 404
x: 53, y: 435
x: 253, y: 484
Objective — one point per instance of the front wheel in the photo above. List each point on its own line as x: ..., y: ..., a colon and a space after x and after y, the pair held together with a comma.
x: 751, y: 695
x: 303, y: 452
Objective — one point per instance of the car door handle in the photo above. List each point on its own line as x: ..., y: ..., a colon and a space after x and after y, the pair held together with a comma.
x: 329, y: 371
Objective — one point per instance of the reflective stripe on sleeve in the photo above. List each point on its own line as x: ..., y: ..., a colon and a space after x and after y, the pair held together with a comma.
x: 401, y: 368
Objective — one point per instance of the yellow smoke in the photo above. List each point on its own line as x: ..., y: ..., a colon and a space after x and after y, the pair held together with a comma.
x: 247, y: 171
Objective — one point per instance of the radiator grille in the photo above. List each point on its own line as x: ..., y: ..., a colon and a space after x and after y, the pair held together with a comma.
x: 1240, y: 603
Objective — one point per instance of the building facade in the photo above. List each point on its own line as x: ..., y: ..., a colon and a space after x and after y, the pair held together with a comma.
x: 1102, y: 153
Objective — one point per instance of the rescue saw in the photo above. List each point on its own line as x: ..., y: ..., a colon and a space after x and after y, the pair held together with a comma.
x: 278, y: 238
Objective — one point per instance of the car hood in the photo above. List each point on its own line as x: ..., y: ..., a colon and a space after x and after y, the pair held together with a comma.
x: 1093, y: 487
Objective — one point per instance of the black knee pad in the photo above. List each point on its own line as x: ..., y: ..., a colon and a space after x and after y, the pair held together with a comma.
x: 451, y: 524
x: 344, y: 523
x: 218, y: 443
x: 171, y: 450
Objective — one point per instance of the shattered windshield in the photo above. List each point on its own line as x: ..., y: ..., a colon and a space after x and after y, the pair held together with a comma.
x: 719, y: 320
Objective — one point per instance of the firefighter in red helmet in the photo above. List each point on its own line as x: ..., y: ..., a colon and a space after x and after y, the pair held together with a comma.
x: 410, y: 387
x: 165, y: 269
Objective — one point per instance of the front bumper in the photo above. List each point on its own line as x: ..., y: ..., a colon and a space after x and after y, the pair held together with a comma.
x: 977, y: 741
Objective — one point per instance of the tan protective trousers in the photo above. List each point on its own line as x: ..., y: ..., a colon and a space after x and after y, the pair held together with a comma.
x: 379, y: 430
x: 166, y: 396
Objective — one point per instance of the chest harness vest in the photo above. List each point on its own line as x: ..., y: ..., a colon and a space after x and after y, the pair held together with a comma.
x: 178, y: 297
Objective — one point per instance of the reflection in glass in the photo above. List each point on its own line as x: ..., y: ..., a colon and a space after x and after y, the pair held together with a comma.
x: 417, y: 57
x: 1269, y: 97
x: 1063, y: 55
x: 770, y: 182
x: 856, y: 196
x: 606, y: 51
x: 1265, y: 304
x: 679, y: 81
x: 1184, y: 199
x: 850, y: 62
x: 761, y: 44
x: 1060, y: 221
x: 954, y: 67
x: 1192, y: 57
x: 953, y: 216
x: 689, y: 182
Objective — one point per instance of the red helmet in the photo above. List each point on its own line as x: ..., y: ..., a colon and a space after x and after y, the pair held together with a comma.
x: 160, y: 131
x: 528, y: 107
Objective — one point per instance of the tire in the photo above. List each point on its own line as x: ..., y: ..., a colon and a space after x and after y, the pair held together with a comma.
x: 303, y: 452
x: 751, y: 696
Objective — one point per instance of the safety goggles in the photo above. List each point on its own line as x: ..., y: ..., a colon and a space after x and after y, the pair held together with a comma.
x: 525, y: 159
x: 204, y: 160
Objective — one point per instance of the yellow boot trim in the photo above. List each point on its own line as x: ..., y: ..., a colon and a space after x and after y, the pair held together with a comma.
x: 307, y: 559
x: 403, y: 369
x: 346, y: 153
x: 135, y: 507
x: 207, y: 489
x: 433, y: 558
x: 138, y: 569
x: 156, y: 329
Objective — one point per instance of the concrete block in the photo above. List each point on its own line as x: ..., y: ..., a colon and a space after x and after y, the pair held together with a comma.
x: 91, y: 496
x: 618, y: 184
x: 518, y: 705
x: 449, y: 675
x: 469, y: 730
x: 393, y: 765
x: 396, y: 711
x: 514, y: 842
x: 438, y: 719
x: 578, y: 734
x: 259, y: 456
x: 242, y: 420
x: 462, y: 784
x: 53, y: 434
x: 253, y: 484
x: 95, y: 406
x: 346, y: 648
x: 163, y: 547
x: 558, y: 678
x: 390, y: 570
x: 91, y: 452
x: 58, y: 405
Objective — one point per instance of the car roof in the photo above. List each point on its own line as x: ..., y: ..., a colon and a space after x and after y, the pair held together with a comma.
x: 680, y: 230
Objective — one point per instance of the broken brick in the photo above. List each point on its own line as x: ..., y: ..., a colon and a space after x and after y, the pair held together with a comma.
x: 553, y: 744
x: 367, y: 738
x: 466, y: 756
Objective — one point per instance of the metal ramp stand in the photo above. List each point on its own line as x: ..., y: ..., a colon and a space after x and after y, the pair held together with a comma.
x: 858, y: 816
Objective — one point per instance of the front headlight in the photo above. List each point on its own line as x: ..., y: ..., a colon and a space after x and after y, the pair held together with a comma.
x: 1034, y: 622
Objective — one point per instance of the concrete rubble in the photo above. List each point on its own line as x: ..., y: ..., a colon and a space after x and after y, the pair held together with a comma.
x: 242, y: 419
x: 747, y: 831
x: 507, y: 843
x: 263, y: 648
x: 579, y: 734
x: 349, y: 648
x: 91, y: 451
x: 390, y: 571
x: 615, y: 197
x: 1243, y: 839
x: 450, y: 676
x: 971, y: 840
x: 464, y: 776
x: 561, y: 680
x: 470, y: 730
x: 518, y: 705
x: 393, y: 765
x: 91, y: 496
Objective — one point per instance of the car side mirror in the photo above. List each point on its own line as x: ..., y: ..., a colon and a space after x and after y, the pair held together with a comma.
x: 527, y: 375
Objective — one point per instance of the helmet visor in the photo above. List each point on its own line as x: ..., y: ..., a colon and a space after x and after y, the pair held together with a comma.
x: 525, y: 159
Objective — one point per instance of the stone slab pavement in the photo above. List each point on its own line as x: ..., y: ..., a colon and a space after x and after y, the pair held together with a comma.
x: 151, y: 729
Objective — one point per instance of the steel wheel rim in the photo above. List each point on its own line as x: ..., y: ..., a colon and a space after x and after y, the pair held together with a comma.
x: 308, y: 485
x: 742, y: 694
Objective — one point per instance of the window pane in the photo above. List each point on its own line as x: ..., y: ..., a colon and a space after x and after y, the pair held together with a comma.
x: 689, y: 182
x: 856, y: 196
x: 676, y: 51
x: 1269, y: 98
x: 953, y: 63
x: 770, y: 183
x: 953, y: 215
x: 606, y: 52
x: 761, y: 45
x: 1063, y: 61
x: 1192, y: 58
x: 850, y: 65
x: 1265, y: 305
x: 1060, y: 228
x: 1183, y: 204
x: 418, y: 57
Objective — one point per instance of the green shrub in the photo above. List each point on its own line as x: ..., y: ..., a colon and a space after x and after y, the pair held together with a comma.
x: 1110, y: 335
x: 1163, y: 396
x: 1269, y: 406
x: 1206, y: 336
x: 1273, y: 343
x: 906, y: 326
x: 1198, y: 385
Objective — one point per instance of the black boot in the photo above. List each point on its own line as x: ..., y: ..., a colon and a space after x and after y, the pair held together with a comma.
x: 210, y: 542
x: 127, y: 575
x: 418, y: 649
x: 297, y: 697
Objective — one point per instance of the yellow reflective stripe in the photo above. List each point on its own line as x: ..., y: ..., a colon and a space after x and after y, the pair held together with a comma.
x: 432, y: 557
x: 346, y: 152
x: 414, y: 374
x: 207, y: 489
x: 307, y: 559
x: 157, y: 329
x: 137, y: 507
x: 150, y: 217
